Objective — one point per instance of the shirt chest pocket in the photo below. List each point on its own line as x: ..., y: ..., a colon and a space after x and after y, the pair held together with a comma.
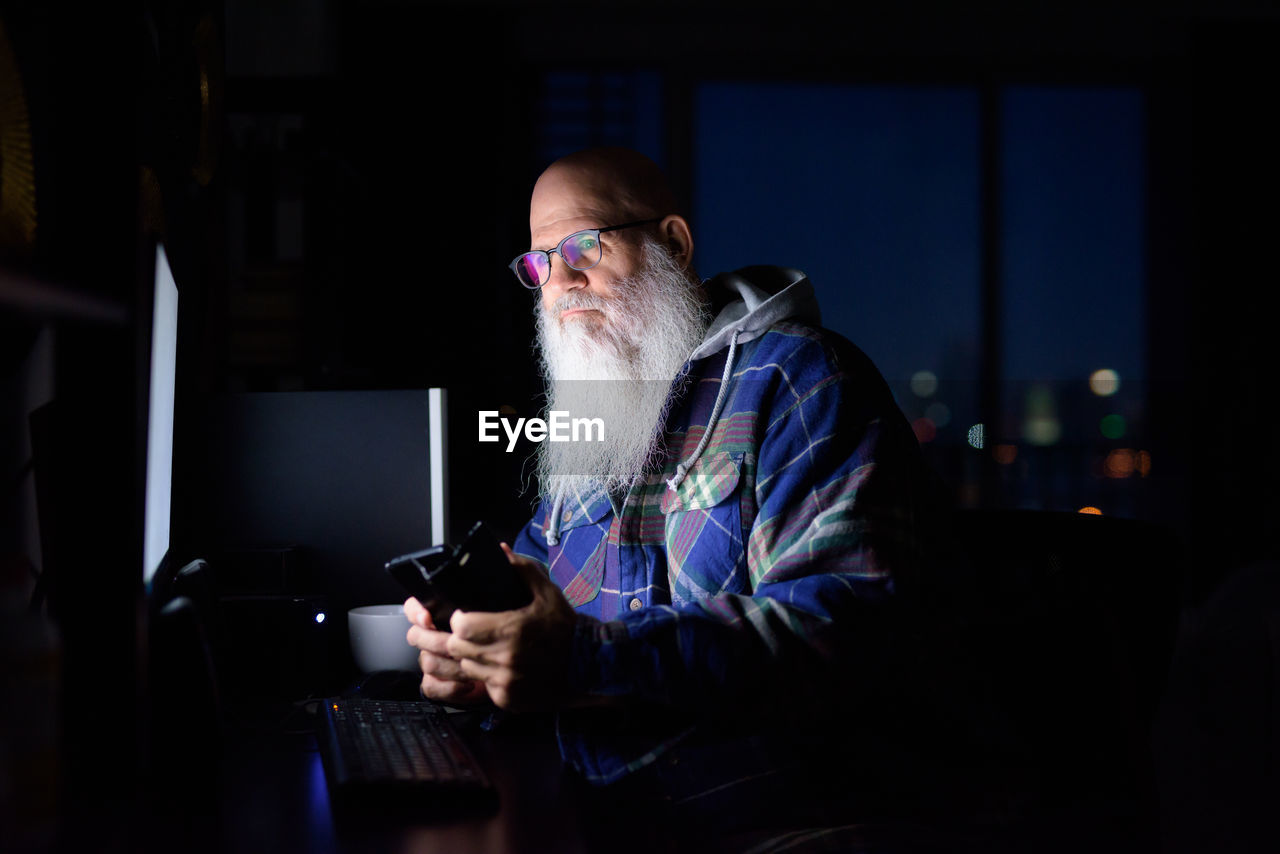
x: 703, y: 527
x: 577, y: 560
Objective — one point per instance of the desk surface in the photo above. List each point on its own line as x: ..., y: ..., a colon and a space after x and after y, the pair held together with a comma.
x: 271, y: 795
x: 274, y: 797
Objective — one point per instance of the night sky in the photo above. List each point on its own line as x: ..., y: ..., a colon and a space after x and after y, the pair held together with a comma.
x: 874, y: 192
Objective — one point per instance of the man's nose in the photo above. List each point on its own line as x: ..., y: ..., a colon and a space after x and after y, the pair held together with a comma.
x: 563, y: 278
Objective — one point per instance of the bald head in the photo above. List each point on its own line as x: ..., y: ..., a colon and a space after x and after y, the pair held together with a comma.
x: 616, y: 183
x: 599, y: 188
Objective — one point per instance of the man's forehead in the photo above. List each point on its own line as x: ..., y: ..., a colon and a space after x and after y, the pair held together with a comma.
x: 563, y: 194
x: 568, y: 212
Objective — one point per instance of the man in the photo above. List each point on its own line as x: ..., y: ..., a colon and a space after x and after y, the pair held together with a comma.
x: 717, y: 578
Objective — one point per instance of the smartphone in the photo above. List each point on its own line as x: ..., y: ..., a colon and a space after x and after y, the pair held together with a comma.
x: 472, y: 576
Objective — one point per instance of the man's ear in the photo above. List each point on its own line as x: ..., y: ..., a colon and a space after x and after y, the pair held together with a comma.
x: 674, y: 233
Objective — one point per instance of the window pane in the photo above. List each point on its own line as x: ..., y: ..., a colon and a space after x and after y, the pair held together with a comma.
x: 872, y: 191
x: 1073, y: 191
x: 583, y: 109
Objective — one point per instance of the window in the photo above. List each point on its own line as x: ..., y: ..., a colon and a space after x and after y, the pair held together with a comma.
x: 875, y: 192
x: 1073, y: 336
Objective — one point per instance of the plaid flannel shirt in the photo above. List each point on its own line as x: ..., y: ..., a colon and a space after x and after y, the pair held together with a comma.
x: 750, y: 572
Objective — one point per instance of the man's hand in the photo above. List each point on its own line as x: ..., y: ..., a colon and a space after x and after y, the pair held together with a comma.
x: 521, y: 657
x: 442, y: 678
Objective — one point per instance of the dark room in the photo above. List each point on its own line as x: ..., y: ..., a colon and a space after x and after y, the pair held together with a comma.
x: 523, y: 426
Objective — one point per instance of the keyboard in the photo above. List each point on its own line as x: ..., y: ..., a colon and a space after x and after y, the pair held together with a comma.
x: 391, y: 752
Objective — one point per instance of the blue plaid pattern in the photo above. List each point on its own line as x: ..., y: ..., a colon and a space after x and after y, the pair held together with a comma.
x: 800, y: 504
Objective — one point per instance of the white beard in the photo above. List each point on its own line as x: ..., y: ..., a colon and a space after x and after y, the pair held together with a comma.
x: 618, y: 368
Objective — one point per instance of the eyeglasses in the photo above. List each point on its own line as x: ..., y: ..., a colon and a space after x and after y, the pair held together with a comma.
x: 580, y: 251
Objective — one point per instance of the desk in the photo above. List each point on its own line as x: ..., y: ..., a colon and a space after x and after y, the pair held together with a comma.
x: 274, y: 798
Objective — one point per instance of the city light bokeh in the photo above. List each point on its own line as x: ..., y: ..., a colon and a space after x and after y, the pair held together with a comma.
x: 1104, y: 382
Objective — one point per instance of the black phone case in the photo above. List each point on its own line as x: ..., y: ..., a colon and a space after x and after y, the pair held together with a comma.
x: 474, y: 576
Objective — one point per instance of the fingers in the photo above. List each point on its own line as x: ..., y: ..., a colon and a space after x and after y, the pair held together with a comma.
x: 500, y: 683
x: 441, y: 653
x: 545, y: 591
x: 433, y: 653
x: 443, y: 677
x: 441, y: 667
x: 428, y: 640
x: 526, y: 566
x: 450, y: 691
x: 483, y: 644
x: 481, y: 627
x: 490, y: 675
x: 487, y: 655
x: 417, y: 613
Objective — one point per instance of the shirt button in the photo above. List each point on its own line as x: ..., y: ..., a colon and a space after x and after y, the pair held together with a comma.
x: 566, y: 516
x: 636, y: 605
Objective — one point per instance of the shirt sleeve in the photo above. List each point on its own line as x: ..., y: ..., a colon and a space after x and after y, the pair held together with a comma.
x: 834, y: 532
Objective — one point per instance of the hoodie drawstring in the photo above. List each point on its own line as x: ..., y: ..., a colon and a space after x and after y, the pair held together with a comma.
x: 553, y: 529
x: 682, y: 469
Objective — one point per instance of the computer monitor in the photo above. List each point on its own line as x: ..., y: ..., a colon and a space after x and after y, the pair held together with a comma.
x: 307, y: 494
x: 158, y: 480
x: 437, y: 438
x: 178, y: 718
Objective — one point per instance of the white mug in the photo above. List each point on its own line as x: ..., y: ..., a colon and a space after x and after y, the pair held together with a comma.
x: 378, y: 638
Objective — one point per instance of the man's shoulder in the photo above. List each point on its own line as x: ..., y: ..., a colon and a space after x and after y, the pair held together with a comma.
x: 798, y: 341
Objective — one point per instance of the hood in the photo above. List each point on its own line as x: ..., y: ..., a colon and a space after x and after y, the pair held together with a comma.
x: 750, y: 300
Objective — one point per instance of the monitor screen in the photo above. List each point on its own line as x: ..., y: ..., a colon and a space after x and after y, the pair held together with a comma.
x: 437, y: 425
x: 159, y: 453
x: 345, y: 479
